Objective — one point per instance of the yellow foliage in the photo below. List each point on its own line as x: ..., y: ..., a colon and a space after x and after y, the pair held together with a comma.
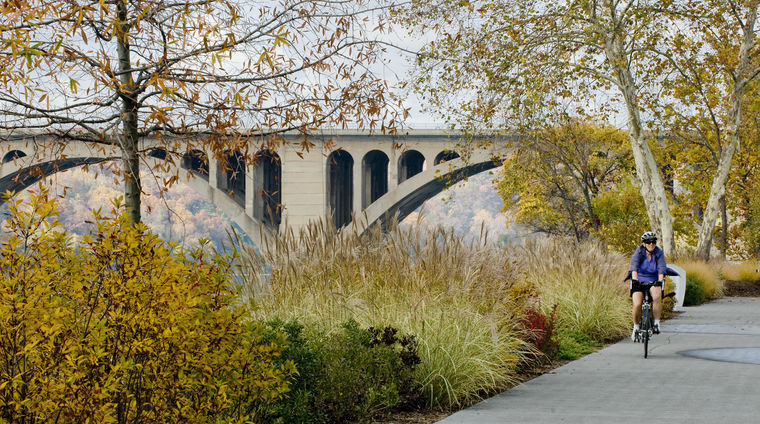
x: 122, y: 329
x: 552, y: 176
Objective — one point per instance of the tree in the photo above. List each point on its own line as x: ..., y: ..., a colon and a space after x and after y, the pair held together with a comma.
x: 744, y: 182
x: 513, y: 62
x: 552, y: 177
x: 622, y: 217
x: 712, y: 56
x: 519, y: 60
x: 215, y: 73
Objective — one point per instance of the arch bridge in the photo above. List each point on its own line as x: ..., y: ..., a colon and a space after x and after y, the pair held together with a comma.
x: 346, y: 174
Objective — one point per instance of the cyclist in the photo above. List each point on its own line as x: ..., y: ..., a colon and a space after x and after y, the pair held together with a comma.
x: 648, y: 270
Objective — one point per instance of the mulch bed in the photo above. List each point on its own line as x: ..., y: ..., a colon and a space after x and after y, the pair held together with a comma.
x: 741, y: 289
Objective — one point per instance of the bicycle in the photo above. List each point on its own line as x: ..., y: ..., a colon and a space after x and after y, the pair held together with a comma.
x: 646, y: 325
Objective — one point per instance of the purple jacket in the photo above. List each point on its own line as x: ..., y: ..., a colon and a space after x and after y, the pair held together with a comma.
x: 640, y: 254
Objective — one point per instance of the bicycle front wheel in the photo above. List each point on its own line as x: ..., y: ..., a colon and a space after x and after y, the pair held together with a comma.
x: 645, y: 326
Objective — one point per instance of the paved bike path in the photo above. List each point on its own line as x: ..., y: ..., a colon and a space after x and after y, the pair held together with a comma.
x: 703, y: 368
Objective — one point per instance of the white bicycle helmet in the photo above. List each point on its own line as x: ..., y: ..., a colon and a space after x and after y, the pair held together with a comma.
x: 648, y: 236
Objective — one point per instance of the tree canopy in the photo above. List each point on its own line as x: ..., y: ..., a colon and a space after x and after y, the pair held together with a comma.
x: 515, y: 64
x: 222, y: 75
x: 553, y: 177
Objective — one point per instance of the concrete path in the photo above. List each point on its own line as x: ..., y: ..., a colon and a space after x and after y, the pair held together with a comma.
x: 703, y: 368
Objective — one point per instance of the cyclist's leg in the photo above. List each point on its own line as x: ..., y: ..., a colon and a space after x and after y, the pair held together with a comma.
x: 656, y: 293
x: 638, y: 299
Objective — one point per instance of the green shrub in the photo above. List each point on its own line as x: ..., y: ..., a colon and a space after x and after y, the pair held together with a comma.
x: 694, y: 292
x: 574, y: 344
x: 123, y: 329
x: 297, y: 406
x: 704, y: 281
x: 350, y: 375
x: 364, y: 373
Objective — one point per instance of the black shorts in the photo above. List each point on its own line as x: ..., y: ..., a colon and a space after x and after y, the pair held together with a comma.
x: 642, y: 287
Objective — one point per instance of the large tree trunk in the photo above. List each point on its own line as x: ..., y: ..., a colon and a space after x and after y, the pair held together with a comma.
x: 652, y: 187
x: 717, y: 191
x: 132, y: 183
x: 129, y: 139
x: 718, y: 188
x: 724, y: 228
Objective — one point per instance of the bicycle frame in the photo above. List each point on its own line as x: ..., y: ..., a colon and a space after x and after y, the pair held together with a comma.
x: 646, y: 325
x: 647, y: 321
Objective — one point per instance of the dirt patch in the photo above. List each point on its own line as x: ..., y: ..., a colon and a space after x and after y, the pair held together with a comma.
x: 422, y: 416
x: 734, y: 288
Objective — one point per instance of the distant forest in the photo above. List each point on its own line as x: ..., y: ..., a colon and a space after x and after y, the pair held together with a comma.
x: 183, y: 215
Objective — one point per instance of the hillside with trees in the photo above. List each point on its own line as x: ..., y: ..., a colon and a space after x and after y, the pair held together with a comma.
x: 184, y: 216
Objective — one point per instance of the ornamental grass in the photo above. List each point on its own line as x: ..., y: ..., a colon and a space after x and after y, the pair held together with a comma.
x: 745, y: 271
x: 703, y: 283
x: 462, y: 300
x: 585, y: 282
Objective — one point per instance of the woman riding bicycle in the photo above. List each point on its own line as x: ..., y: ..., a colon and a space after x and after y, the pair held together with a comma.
x: 648, y: 269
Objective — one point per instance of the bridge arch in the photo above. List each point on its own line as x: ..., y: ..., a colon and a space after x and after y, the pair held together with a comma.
x: 374, y: 176
x: 445, y: 156
x: 13, y: 155
x: 413, y: 192
x: 196, y: 162
x: 410, y: 164
x: 158, y: 153
x: 267, y: 194
x: 23, y: 178
x: 340, y: 186
x: 231, y: 176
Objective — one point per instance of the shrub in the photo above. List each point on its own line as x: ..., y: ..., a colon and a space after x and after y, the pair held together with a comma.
x: 348, y: 376
x: 573, y: 345
x: 540, y: 332
x: 122, y: 329
x: 702, y: 282
x: 363, y: 373
x: 694, y: 292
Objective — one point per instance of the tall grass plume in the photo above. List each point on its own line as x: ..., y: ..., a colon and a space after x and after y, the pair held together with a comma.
x: 585, y: 282
x: 461, y: 299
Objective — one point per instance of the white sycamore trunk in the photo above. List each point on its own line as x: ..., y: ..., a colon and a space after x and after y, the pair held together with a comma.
x: 718, y: 188
x: 652, y: 187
